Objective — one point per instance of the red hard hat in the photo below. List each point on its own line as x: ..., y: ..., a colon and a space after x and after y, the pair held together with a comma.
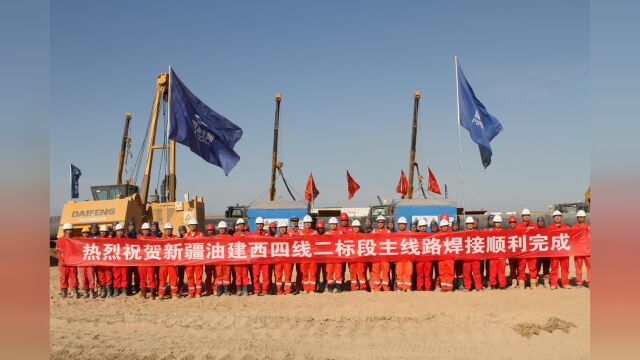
x: 210, y: 227
x: 320, y: 224
x: 444, y: 216
x: 512, y: 219
x: 273, y: 224
x: 344, y: 217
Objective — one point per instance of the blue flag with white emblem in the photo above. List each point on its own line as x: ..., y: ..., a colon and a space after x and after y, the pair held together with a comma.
x: 474, y: 117
x: 194, y: 124
x: 75, y: 181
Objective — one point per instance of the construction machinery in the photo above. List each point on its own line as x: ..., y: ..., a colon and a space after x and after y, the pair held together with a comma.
x: 124, y: 202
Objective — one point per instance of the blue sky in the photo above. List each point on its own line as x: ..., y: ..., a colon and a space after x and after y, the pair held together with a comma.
x: 347, y: 72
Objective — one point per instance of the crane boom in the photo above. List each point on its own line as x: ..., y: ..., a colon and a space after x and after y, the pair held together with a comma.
x: 123, y: 147
x: 412, y: 152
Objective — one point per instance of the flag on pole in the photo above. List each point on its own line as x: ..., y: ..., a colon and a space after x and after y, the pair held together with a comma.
x: 473, y: 116
x: 75, y: 181
x: 207, y: 133
x: 433, y: 183
x: 311, y: 192
x: 352, y: 185
x: 446, y: 192
x: 403, y: 185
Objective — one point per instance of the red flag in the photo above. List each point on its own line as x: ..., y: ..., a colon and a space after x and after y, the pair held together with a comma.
x: 403, y: 185
x: 433, y: 183
x: 311, y: 192
x: 352, y: 185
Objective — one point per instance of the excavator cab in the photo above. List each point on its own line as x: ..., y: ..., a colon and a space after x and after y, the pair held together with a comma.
x: 110, y: 192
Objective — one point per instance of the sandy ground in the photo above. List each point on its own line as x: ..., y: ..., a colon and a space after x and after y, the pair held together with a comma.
x: 490, y: 324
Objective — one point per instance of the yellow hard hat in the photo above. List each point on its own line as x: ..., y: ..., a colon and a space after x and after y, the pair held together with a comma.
x: 85, y: 229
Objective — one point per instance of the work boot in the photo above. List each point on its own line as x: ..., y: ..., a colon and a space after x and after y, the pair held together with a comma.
x: 92, y: 294
x: 124, y: 291
x: 87, y: 293
x: 152, y: 292
x: 226, y: 290
x: 219, y: 290
x: 534, y: 284
x: 74, y: 292
x: 116, y: 292
x: 110, y: 291
x: 338, y: 288
x: 63, y: 293
x: 103, y: 291
x: 330, y: 288
x: 240, y: 290
x: 143, y: 293
x: 545, y: 282
x: 567, y: 286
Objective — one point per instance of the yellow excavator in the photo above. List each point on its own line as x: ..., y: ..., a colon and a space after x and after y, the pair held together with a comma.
x: 123, y: 202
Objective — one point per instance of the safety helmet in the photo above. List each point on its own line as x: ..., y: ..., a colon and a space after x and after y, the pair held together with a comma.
x: 145, y: 226
x: 355, y: 222
x: 210, y: 227
x: 119, y: 227
x: 333, y: 220
x: 240, y: 221
x: 104, y: 228
x: 444, y: 216
x: 67, y: 226
x: 581, y: 213
x: 168, y: 226
x: 526, y: 212
x: 422, y: 222
x: 282, y: 223
x: 402, y: 220
x: 497, y: 219
x: 557, y: 213
x: 273, y: 224
x: 512, y: 219
x: 444, y: 222
x: 259, y: 220
x: 193, y: 221
x: 381, y: 218
x: 222, y: 225
x: 469, y: 220
x: 85, y: 229
x: 344, y: 217
x: 320, y: 225
x: 295, y: 218
x: 307, y: 219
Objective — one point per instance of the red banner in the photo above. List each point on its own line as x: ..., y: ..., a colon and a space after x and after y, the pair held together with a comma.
x: 465, y: 245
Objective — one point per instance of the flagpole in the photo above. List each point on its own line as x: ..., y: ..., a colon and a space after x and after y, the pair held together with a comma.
x: 71, y: 179
x: 455, y: 58
x: 172, y: 146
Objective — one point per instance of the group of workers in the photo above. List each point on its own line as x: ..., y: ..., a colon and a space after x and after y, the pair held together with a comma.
x: 164, y: 282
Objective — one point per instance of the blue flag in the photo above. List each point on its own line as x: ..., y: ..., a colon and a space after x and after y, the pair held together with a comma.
x: 204, y: 131
x: 474, y: 117
x: 75, y: 178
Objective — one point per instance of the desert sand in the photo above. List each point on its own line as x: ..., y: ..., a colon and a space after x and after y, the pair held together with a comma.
x: 352, y: 325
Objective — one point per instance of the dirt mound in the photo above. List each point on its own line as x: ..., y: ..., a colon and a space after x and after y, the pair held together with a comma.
x: 553, y: 323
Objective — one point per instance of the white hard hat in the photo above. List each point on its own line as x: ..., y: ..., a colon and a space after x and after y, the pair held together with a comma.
x: 168, y: 226
x: 422, y: 222
x: 259, y: 220
x: 222, y: 224
x: 193, y: 221
x: 240, y: 221
x: 282, y: 223
x: 307, y: 219
x: 402, y: 220
x: 355, y: 222
x: 526, y: 212
x: 145, y: 226
x: 67, y: 226
x: 119, y: 227
x: 469, y: 220
x: 381, y: 217
x: 444, y: 222
x: 556, y: 213
x: 333, y: 220
x: 497, y: 218
x: 104, y: 228
x: 581, y: 213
